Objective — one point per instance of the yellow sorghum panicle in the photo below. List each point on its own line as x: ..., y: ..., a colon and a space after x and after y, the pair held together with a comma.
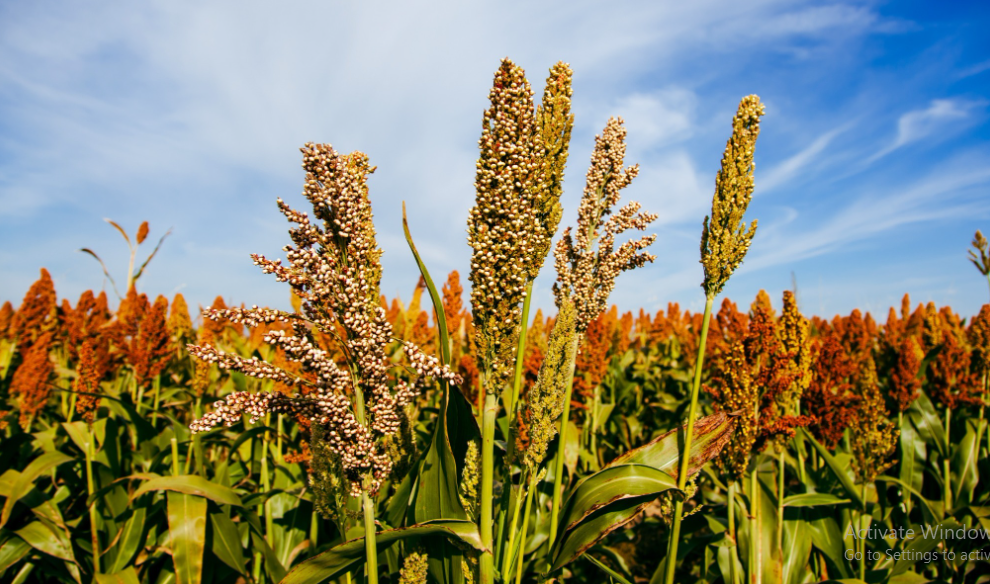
x: 502, y: 222
x: 586, y: 275
x: 932, y: 331
x: 554, y: 121
x: 733, y: 390
x: 724, y: 237
x: 794, y: 337
x: 979, y: 338
x: 874, y: 436
x: 179, y: 323
x: 469, y: 479
x: 414, y: 569
x: 982, y: 261
x: 547, y: 396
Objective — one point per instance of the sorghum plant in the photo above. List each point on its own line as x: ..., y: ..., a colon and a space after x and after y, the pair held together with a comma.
x: 335, y: 269
x: 725, y: 240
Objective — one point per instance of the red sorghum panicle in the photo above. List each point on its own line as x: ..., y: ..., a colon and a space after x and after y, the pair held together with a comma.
x: 31, y: 381
x: 6, y: 319
x: 38, y: 313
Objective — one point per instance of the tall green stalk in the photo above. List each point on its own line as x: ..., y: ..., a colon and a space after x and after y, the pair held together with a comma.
x: 734, y: 550
x: 522, y: 534
x: 487, y: 561
x: 370, y: 547
x: 682, y: 472
x: 93, y: 514
x: 863, y: 524
x: 780, y: 504
x: 946, y: 471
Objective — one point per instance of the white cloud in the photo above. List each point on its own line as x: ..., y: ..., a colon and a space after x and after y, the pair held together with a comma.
x: 941, y: 115
x: 191, y: 114
x: 946, y: 193
x: 657, y: 119
x: 786, y: 170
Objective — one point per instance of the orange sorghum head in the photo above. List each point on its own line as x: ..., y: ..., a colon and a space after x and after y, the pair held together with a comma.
x: 31, y: 381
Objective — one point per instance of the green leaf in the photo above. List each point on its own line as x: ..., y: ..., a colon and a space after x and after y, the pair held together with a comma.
x: 813, y: 500
x: 190, y: 485
x: 130, y: 539
x: 12, y: 550
x: 596, y: 526
x: 913, y: 454
x: 840, y: 473
x: 347, y: 556
x: 612, y: 573
x: 934, y: 508
x: 273, y: 567
x: 928, y: 423
x: 187, y: 535
x: 227, y: 542
x: 44, y: 539
x: 438, y: 311
x: 25, y: 480
x: 919, y: 546
x: 797, y: 550
x: 126, y: 576
x: 612, y: 484
x: 965, y: 457
x: 827, y: 537
x: 711, y: 434
x: 437, y: 493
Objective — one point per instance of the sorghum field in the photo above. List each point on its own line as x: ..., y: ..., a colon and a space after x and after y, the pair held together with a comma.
x: 429, y: 439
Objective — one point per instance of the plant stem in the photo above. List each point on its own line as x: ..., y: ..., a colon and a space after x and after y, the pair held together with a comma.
x: 946, y: 476
x: 510, y: 407
x: 370, y: 549
x: 511, y: 541
x: 175, y: 458
x: 682, y: 474
x: 314, y: 530
x: 279, y: 458
x: 266, y: 485
x: 93, y: 515
x: 512, y: 403
x: 158, y: 391
x: 756, y: 538
x: 780, y: 504
x: 863, y: 524
x: 558, y: 465
x: 522, y: 534
x: 733, y: 554
x: 487, y: 564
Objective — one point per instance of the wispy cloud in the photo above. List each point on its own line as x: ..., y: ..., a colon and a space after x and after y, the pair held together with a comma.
x: 950, y: 191
x: 787, y: 169
x: 941, y: 115
x: 191, y: 114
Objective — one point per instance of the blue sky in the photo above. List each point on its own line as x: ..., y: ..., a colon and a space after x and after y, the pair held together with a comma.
x: 873, y: 165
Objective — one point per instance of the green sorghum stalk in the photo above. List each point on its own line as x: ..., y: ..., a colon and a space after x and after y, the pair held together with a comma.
x: 725, y: 240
